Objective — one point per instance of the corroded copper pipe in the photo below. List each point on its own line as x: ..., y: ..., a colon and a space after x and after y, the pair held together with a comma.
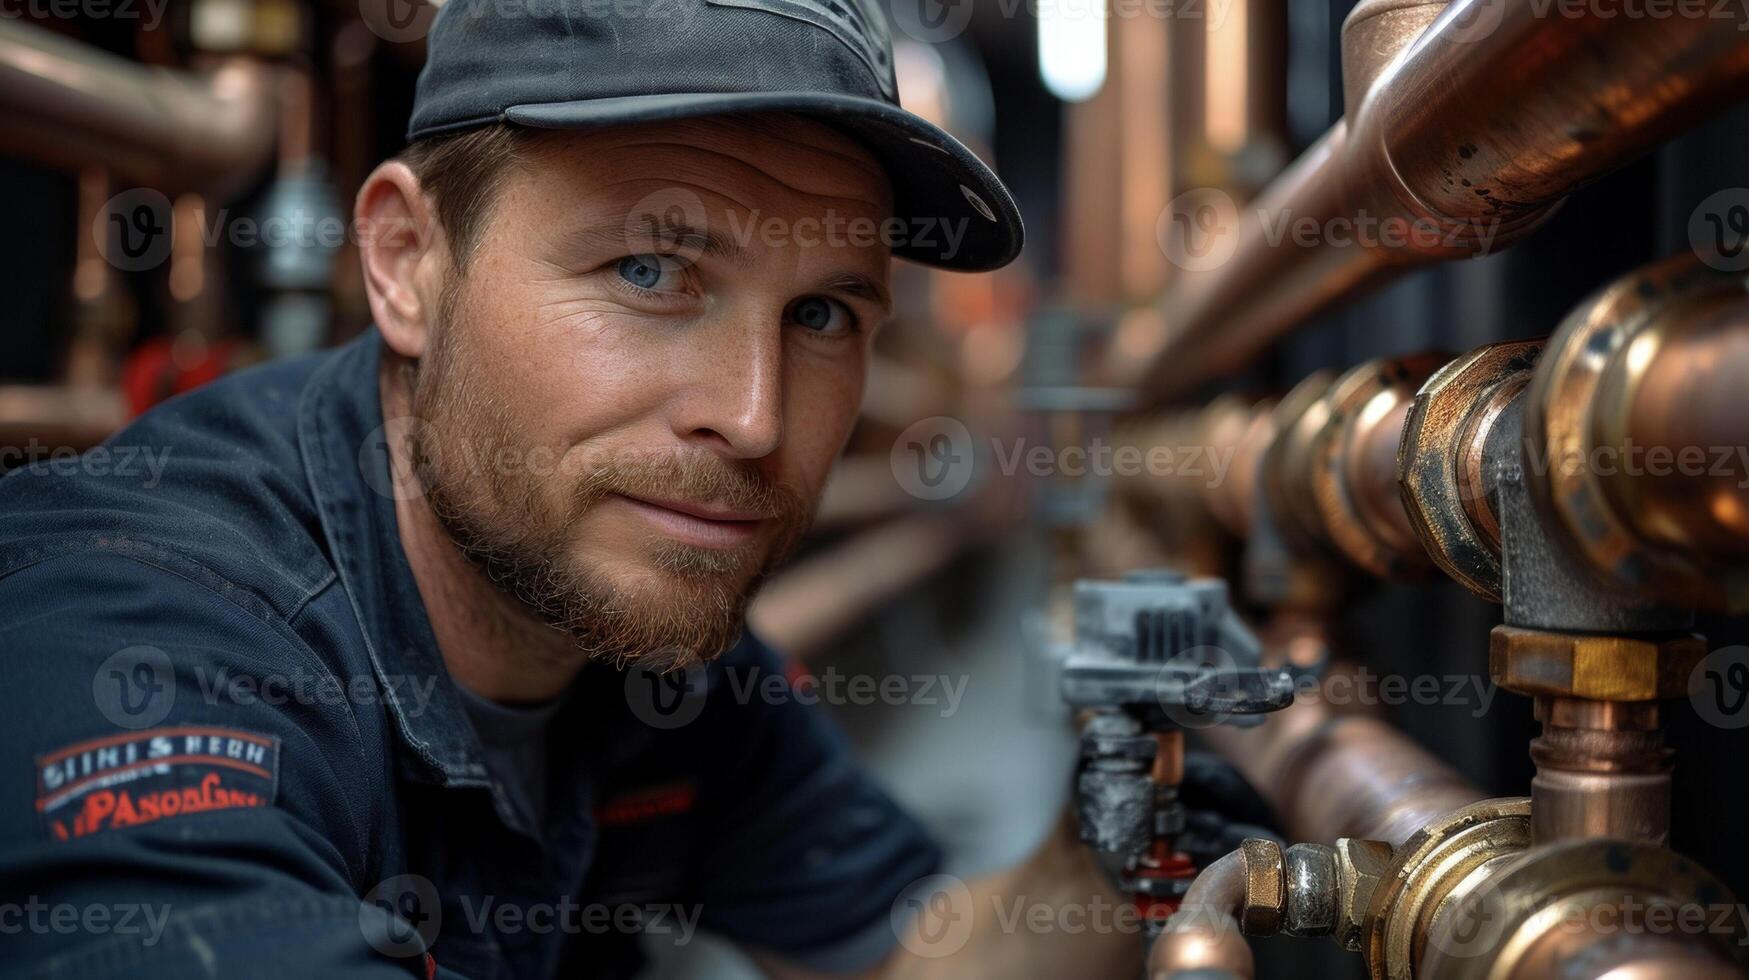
x: 67, y: 104
x: 1467, y: 138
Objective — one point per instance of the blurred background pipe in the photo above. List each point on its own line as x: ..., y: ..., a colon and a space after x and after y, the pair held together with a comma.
x: 1469, y: 134
x: 67, y: 104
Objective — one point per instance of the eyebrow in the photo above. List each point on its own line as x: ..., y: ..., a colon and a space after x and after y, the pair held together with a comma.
x: 861, y: 286
x: 595, y: 239
x: 636, y: 235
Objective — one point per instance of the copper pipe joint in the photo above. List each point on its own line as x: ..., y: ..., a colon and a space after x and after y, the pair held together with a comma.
x: 1447, y: 464
x: 1635, y: 438
x: 1330, y: 476
x: 1601, y: 771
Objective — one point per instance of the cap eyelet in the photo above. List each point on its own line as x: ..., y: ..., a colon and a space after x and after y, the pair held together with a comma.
x: 977, y: 203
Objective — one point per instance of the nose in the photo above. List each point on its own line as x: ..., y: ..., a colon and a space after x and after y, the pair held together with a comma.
x: 733, y: 403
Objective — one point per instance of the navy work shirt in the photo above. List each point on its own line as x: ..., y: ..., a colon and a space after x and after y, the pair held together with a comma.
x: 229, y: 746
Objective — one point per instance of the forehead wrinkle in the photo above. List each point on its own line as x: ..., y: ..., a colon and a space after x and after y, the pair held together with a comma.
x: 738, y: 167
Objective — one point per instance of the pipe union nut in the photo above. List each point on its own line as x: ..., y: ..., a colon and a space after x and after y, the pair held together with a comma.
x: 1311, y: 891
x: 1265, y: 887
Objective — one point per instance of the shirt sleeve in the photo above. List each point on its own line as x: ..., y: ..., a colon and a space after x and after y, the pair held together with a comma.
x: 811, y: 853
x: 154, y: 822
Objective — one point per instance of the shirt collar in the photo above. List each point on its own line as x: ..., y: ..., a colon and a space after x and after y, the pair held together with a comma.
x: 342, y: 437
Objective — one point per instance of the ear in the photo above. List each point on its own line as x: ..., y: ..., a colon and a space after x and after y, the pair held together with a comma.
x: 404, y: 254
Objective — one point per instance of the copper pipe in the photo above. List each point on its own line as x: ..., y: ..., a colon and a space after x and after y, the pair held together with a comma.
x: 67, y: 105
x: 1584, y: 951
x: 1601, y: 771
x: 1329, y: 775
x: 1371, y: 469
x: 1466, y: 139
x: 818, y: 599
x: 1203, y: 934
x: 1686, y: 401
x: 38, y: 421
x: 1635, y: 437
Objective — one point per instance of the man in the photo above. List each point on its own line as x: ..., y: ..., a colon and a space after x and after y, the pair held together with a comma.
x: 360, y: 686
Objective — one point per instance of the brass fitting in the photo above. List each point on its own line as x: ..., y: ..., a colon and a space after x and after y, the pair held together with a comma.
x: 1359, y: 865
x: 1265, y: 887
x: 1656, y: 362
x: 1593, y: 666
x: 1443, y: 466
x: 1330, y: 475
x: 1354, y: 473
x: 1293, y: 891
x: 1428, y: 869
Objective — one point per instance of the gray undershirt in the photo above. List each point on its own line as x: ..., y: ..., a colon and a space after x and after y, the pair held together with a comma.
x: 515, y: 741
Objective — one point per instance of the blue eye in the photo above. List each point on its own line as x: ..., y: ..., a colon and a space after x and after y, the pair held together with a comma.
x: 643, y: 271
x: 821, y: 315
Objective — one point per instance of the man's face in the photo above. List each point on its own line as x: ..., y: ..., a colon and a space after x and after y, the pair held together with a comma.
x: 643, y: 373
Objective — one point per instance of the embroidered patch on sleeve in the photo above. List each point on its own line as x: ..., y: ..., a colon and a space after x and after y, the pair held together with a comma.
x: 141, y: 777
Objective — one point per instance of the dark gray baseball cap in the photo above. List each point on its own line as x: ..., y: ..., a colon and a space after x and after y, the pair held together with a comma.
x: 576, y: 64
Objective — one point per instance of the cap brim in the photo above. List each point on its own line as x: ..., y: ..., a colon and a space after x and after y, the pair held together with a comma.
x: 958, y: 214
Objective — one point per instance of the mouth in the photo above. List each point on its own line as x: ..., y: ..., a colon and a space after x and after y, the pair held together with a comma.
x: 704, y: 525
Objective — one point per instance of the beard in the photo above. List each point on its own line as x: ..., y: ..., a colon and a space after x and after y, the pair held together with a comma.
x: 518, y: 526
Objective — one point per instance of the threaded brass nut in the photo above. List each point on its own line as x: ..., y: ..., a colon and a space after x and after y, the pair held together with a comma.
x: 1265, y: 887
x: 1591, y: 666
x: 1360, y: 864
